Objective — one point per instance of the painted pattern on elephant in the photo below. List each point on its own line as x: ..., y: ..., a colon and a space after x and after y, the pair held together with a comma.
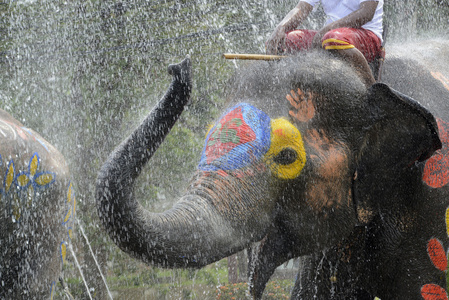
x: 436, y: 175
x: 20, y: 188
x: 437, y: 255
x: 38, y: 209
x: 68, y: 223
x: 13, y: 131
x: 246, y: 134
x: 241, y: 136
x: 436, y: 171
x: 302, y: 105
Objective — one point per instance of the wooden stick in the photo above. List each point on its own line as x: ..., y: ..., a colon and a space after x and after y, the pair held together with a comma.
x: 252, y: 56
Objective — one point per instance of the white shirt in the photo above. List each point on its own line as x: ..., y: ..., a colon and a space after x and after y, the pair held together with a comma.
x: 337, y: 9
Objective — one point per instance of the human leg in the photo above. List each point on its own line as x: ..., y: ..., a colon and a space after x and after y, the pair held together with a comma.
x: 298, y: 40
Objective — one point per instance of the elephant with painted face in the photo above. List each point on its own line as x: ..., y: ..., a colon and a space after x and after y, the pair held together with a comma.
x: 305, y: 159
x: 356, y: 268
x: 36, y: 215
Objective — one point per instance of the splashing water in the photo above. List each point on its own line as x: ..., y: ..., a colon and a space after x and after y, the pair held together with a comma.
x: 80, y: 270
x: 95, y: 259
x: 75, y: 71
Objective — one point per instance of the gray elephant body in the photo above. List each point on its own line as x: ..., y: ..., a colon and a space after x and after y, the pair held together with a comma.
x: 342, y: 171
x: 37, y: 210
x: 390, y: 254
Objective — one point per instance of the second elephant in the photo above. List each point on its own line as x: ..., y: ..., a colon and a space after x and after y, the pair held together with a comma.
x: 37, y: 210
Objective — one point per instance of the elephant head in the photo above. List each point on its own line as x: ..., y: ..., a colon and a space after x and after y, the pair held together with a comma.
x: 37, y: 212
x: 291, y: 164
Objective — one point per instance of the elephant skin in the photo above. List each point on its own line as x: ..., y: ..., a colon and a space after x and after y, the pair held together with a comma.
x: 307, y: 162
x: 342, y: 272
x: 37, y: 212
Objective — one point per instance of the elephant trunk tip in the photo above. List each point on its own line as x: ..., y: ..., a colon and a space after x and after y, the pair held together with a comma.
x: 181, y: 70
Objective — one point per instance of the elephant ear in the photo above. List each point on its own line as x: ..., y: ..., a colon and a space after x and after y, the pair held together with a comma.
x: 400, y: 134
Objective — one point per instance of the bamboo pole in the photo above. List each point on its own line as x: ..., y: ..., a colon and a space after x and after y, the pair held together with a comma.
x: 252, y: 56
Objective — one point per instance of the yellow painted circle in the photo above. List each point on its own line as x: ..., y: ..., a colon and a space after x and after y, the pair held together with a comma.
x: 284, y: 135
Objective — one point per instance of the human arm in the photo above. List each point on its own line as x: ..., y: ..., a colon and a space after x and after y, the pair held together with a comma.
x: 277, y: 39
x: 356, y: 19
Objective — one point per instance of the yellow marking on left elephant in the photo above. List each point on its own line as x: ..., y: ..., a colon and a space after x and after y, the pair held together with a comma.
x: 72, y: 202
x: 44, y: 179
x: 63, y: 252
x: 9, y: 177
x: 69, y: 193
x: 52, y: 290
x: 68, y: 215
x: 24, y: 179
x: 285, y: 135
x: 34, y: 164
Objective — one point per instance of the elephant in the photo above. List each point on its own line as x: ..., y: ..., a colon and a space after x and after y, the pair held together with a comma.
x: 305, y: 161
x: 37, y: 212
x: 318, y: 275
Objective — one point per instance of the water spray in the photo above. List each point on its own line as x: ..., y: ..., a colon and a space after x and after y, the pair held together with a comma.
x: 95, y: 259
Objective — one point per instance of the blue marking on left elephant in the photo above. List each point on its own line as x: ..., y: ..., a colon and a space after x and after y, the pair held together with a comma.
x: 32, y: 176
x: 52, y: 289
x: 240, y: 137
x: 20, y: 189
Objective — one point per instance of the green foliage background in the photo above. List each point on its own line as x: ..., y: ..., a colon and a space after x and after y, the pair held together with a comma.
x: 84, y: 73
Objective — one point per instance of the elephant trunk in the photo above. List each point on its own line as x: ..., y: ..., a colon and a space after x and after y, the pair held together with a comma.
x: 198, y: 229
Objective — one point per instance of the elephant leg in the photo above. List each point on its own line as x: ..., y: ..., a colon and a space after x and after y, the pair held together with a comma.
x: 275, y: 249
x: 65, y: 288
x: 335, y: 273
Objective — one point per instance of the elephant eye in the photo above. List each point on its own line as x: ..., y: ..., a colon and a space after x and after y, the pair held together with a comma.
x: 286, y: 156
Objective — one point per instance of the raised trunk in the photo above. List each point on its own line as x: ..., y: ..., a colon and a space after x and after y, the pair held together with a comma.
x: 198, y: 229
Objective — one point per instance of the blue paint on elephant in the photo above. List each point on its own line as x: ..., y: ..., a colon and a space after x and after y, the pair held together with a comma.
x: 240, y: 137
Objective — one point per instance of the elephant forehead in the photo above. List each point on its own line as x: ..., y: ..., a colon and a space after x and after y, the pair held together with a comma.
x: 240, y: 137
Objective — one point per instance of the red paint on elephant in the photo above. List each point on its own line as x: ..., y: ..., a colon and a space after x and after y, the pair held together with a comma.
x: 436, y: 171
x: 437, y: 254
x: 229, y: 133
x: 433, y: 292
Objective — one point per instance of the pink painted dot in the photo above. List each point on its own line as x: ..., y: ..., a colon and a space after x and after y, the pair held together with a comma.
x: 436, y: 170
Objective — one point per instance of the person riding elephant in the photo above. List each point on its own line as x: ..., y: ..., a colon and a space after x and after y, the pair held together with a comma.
x: 353, y: 31
x: 337, y: 161
x: 37, y: 212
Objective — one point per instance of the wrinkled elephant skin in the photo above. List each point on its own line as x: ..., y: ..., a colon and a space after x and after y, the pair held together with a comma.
x: 37, y: 211
x: 305, y: 160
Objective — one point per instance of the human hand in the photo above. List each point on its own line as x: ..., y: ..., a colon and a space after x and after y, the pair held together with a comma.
x: 276, y: 42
